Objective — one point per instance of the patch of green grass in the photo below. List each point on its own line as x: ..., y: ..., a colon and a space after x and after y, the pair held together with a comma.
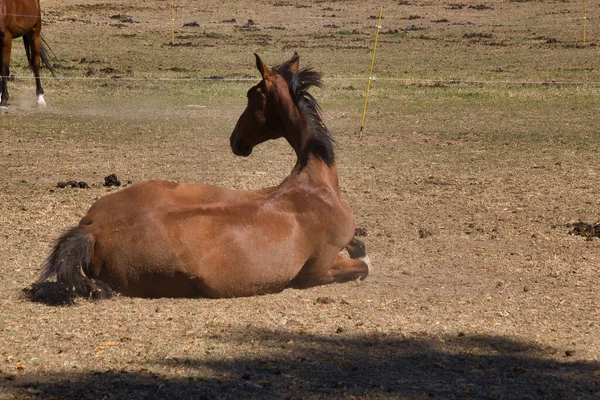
x: 215, y: 35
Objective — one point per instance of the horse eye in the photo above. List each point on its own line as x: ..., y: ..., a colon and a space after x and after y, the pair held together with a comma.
x: 253, y: 93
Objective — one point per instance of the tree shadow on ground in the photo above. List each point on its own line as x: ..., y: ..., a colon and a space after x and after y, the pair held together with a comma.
x: 292, y: 365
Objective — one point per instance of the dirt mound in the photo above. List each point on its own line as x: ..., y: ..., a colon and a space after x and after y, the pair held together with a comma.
x: 73, y: 184
x: 584, y: 229
x: 111, y: 180
x: 360, y: 232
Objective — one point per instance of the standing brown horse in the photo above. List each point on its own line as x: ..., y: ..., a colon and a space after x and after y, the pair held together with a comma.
x: 166, y: 239
x: 21, y: 18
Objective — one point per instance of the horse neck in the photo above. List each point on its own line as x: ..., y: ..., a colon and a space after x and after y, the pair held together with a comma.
x: 319, y: 173
x: 296, y: 132
x: 297, y: 129
x: 299, y: 136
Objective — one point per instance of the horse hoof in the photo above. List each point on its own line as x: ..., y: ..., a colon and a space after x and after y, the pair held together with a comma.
x: 41, y: 102
x: 3, y: 109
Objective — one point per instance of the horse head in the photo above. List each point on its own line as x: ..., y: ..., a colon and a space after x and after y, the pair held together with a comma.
x: 262, y: 119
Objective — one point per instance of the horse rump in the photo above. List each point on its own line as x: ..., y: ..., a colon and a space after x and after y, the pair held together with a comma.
x: 69, y: 262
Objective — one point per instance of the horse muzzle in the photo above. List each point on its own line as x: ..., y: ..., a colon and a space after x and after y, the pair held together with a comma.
x: 239, y: 148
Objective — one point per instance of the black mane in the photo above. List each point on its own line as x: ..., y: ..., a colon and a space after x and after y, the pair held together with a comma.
x: 321, y: 143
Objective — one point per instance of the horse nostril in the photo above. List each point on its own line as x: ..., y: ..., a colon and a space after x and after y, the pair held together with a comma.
x: 234, y: 143
x: 239, y: 149
x: 244, y: 151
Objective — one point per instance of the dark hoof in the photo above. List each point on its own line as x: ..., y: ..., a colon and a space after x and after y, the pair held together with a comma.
x: 356, y: 248
x: 100, y: 290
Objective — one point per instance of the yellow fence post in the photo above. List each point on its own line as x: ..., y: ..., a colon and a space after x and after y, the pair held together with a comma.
x: 585, y: 8
x: 362, y: 124
x: 172, y: 22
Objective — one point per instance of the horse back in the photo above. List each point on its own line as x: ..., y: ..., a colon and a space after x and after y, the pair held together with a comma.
x: 201, y: 240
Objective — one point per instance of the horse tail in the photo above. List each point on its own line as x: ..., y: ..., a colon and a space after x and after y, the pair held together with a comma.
x: 44, y: 53
x: 70, y: 260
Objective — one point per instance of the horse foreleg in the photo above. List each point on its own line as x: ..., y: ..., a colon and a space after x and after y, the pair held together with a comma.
x: 358, y: 266
x: 1, y: 63
x: 5, y: 48
x: 357, y: 251
x: 340, y: 269
x: 349, y: 269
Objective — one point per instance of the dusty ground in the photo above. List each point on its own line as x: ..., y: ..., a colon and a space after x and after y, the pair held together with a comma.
x: 465, y: 184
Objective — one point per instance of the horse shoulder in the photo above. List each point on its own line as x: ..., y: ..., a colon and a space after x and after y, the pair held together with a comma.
x: 320, y: 213
x: 338, y: 220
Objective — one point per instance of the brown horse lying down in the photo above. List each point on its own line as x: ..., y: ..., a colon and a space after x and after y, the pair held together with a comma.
x: 160, y: 238
x: 21, y: 18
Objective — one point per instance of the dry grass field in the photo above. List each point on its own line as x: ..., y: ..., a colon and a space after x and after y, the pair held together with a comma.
x: 481, y: 147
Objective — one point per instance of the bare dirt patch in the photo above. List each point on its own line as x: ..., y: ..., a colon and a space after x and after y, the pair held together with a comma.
x: 463, y: 189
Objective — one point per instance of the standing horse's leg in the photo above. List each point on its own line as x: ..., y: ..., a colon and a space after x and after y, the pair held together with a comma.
x: 1, y: 63
x: 6, y: 46
x: 33, y: 46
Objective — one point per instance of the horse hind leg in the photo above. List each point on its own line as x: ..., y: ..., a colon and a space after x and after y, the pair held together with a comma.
x: 33, y: 47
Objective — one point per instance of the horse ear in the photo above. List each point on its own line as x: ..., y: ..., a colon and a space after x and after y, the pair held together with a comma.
x: 261, y: 66
x: 294, y: 63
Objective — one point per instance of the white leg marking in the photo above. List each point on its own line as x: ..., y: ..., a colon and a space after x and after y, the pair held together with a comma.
x: 40, y: 101
x: 3, y: 109
x: 367, y: 260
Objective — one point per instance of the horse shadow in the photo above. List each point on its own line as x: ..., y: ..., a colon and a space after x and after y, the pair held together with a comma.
x: 303, y: 366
